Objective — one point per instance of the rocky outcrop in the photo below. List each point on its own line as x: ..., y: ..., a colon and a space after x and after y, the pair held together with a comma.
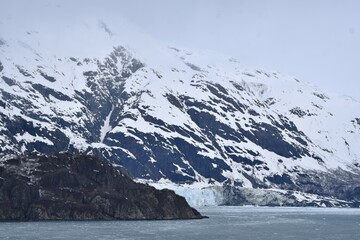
x: 78, y: 187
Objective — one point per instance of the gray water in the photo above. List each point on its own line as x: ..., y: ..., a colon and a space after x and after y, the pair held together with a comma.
x: 243, y: 223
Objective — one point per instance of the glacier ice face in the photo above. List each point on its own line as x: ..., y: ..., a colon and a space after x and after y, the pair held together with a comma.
x: 200, y: 195
x: 197, y: 195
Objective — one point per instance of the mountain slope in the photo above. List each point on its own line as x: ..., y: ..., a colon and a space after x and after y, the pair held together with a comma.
x: 168, y: 113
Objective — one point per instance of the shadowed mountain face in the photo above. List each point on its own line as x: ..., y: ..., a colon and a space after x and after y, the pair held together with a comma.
x: 175, y: 114
x: 77, y: 187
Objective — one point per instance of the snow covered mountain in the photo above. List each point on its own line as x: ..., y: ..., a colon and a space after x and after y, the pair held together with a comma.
x: 176, y: 116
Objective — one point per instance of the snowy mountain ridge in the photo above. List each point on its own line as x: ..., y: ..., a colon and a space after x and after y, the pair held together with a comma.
x: 175, y: 116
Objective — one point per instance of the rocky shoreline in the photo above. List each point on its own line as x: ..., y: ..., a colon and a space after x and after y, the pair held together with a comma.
x: 77, y: 187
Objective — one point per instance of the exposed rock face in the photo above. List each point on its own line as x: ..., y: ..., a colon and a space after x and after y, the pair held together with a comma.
x: 76, y: 187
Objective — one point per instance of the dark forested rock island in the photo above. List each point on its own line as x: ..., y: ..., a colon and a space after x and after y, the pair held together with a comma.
x: 78, y: 187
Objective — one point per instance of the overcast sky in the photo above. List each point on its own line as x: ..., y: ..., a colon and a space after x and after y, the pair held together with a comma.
x: 317, y: 41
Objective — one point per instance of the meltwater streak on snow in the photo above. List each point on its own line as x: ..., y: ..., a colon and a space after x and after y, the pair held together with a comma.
x: 231, y: 223
x: 106, y: 127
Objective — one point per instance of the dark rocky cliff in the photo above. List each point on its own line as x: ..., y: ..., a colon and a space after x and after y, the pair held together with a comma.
x: 77, y: 187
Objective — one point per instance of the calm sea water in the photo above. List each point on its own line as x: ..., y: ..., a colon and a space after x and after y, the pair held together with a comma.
x: 243, y: 223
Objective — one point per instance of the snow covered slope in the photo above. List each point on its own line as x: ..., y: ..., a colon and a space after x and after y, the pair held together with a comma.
x: 99, y: 86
